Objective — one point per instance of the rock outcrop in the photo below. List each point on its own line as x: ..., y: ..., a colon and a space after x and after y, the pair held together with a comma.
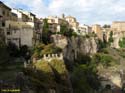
x: 117, y: 36
x: 79, y: 45
x: 59, y: 40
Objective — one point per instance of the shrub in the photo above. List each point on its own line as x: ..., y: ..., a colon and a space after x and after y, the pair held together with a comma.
x: 42, y: 49
x: 122, y: 43
x: 104, y: 59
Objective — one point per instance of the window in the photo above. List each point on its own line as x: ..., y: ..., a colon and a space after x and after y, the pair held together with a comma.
x: 3, y: 12
x: 3, y: 24
x: 8, y: 33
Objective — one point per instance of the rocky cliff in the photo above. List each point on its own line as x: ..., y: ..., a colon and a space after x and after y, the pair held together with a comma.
x: 79, y: 45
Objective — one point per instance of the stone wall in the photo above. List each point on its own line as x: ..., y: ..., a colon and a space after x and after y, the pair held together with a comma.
x: 49, y: 57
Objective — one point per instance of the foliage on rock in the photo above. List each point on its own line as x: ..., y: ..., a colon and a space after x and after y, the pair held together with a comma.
x: 42, y: 49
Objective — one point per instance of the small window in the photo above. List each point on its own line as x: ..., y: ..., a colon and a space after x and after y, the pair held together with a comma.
x: 8, y: 33
x: 3, y: 12
x: 3, y: 24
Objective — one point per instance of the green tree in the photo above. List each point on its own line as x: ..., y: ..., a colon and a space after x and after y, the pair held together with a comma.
x: 122, y: 43
x: 104, y: 59
x: 63, y: 29
x: 106, y: 26
x: 84, y: 80
x: 111, y: 38
x: 101, y: 44
x: 46, y: 33
x: 13, y: 50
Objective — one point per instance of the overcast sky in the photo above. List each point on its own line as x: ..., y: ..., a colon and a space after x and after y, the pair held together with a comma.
x: 86, y: 11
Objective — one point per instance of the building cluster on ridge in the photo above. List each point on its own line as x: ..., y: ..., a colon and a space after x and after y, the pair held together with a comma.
x: 24, y: 28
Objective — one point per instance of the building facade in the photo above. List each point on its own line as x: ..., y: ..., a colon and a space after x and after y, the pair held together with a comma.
x: 83, y: 29
x: 55, y: 23
x: 97, y: 29
x: 118, y: 26
x: 23, y: 28
x: 5, y: 14
x: 118, y: 29
x: 72, y: 21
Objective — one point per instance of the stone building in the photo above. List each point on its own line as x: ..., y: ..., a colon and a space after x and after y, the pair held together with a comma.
x: 23, y: 28
x: 38, y: 30
x: 5, y: 14
x: 55, y: 23
x: 72, y: 21
x: 20, y: 15
x: 98, y: 31
x: 13, y: 17
x: 118, y: 26
x: 19, y: 33
x: 118, y: 29
x: 106, y: 33
x: 83, y: 29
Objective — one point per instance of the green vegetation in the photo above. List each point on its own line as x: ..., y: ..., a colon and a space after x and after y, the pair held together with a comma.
x: 84, y: 73
x: 42, y: 49
x: 104, y: 59
x: 46, y: 33
x: 8, y: 65
x: 84, y: 79
x: 59, y: 66
x: 66, y: 31
x: 4, y: 58
x: 84, y: 76
x: 111, y: 38
x: 9, y: 69
x: 104, y: 43
x: 101, y: 44
x: 122, y: 43
x: 63, y: 29
x: 13, y: 50
x: 106, y: 26
x: 48, y: 76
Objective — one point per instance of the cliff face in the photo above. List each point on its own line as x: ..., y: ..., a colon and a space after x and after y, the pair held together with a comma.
x: 59, y: 40
x: 79, y: 45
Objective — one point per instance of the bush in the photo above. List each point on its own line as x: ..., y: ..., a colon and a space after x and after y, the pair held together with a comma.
x: 122, y: 43
x: 13, y: 49
x: 42, y: 49
x: 104, y: 59
x: 84, y: 80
